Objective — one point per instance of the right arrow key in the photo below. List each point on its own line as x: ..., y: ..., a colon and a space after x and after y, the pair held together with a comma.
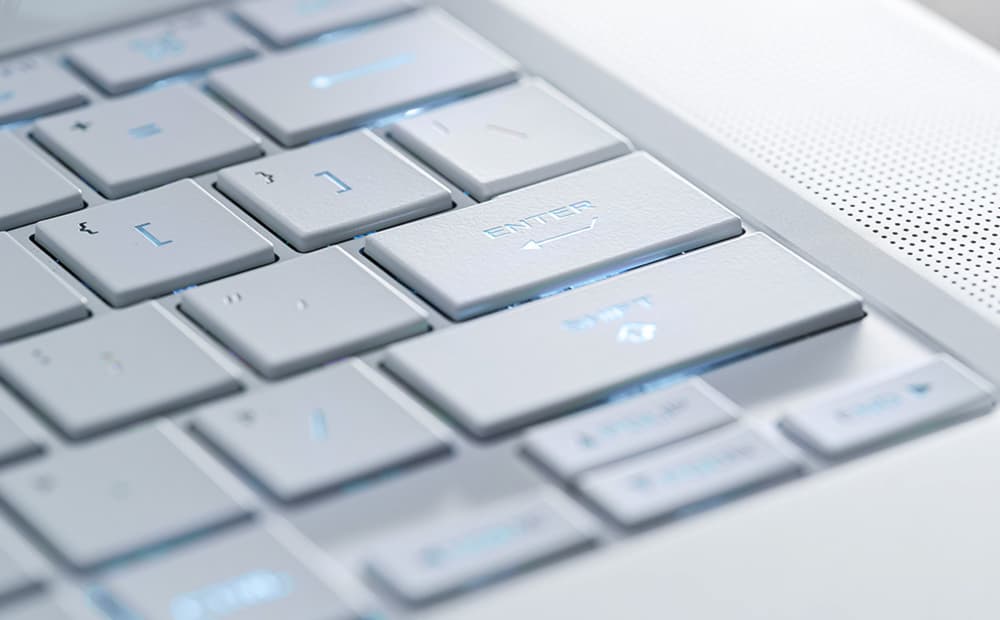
x: 880, y: 411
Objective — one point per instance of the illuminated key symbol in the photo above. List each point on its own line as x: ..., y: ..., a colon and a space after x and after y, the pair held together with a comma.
x: 319, y: 428
x: 920, y: 389
x: 6, y: 95
x: 637, y: 333
x: 241, y: 596
x: 329, y: 176
x: 164, y: 45
x: 321, y: 82
x: 151, y: 237
x: 144, y: 131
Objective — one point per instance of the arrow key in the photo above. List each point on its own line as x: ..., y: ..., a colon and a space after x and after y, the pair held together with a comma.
x: 876, y: 412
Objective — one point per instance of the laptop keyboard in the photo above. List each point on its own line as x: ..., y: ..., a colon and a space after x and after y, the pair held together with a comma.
x: 329, y: 310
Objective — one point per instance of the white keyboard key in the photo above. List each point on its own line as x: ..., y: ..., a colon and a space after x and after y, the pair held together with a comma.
x: 154, y: 243
x: 36, y: 609
x: 119, y: 496
x: 303, y: 312
x: 127, y: 59
x: 44, y: 607
x: 146, y: 140
x: 33, y: 190
x: 31, y: 87
x: 875, y: 412
x: 610, y: 433
x: 36, y: 299
x: 510, y: 138
x: 19, y: 565
x: 14, y: 442
x: 244, y: 575
x: 664, y: 482
x: 570, y: 350
x: 431, y: 562
x: 544, y: 238
x: 323, y: 89
x: 320, y: 431
x: 284, y: 22
x: 331, y: 191
x: 113, y: 369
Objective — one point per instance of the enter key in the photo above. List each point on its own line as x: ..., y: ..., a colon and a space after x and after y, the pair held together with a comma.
x: 548, y: 237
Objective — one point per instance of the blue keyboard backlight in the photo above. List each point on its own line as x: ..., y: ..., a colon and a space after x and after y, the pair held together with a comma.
x: 326, y: 81
x: 227, y: 598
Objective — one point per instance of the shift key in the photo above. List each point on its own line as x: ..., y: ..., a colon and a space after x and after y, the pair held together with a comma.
x: 612, y: 216
x: 557, y: 354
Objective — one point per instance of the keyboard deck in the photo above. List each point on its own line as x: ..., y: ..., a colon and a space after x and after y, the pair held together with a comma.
x: 328, y: 310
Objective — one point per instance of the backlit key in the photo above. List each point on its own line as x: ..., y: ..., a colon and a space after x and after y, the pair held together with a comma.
x: 389, y: 68
x: 541, y: 239
x: 602, y: 435
x: 146, y: 139
x: 113, y: 369
x: 20, y: 565
x: 131, y: 58
x: 33, y: 190
x: 118, y: 496
x: 427, y: 563
x: 73, y: 606
x: 31, y: 87
x: 37, y: 299
x: 564, y: 352
x: 245, y: 575
x: 285, y: 22
x: 330, y: 191
x: 874, y: 412
x: 295, y: 314
x: 509, y: 138
x: 15, y: 443
x: 320, y: 431
x: 664, y: 482
x: 154, y: 243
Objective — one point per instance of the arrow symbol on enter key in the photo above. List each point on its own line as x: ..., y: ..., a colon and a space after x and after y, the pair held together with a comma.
x: 920, y: 389
x: 538, y: 245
